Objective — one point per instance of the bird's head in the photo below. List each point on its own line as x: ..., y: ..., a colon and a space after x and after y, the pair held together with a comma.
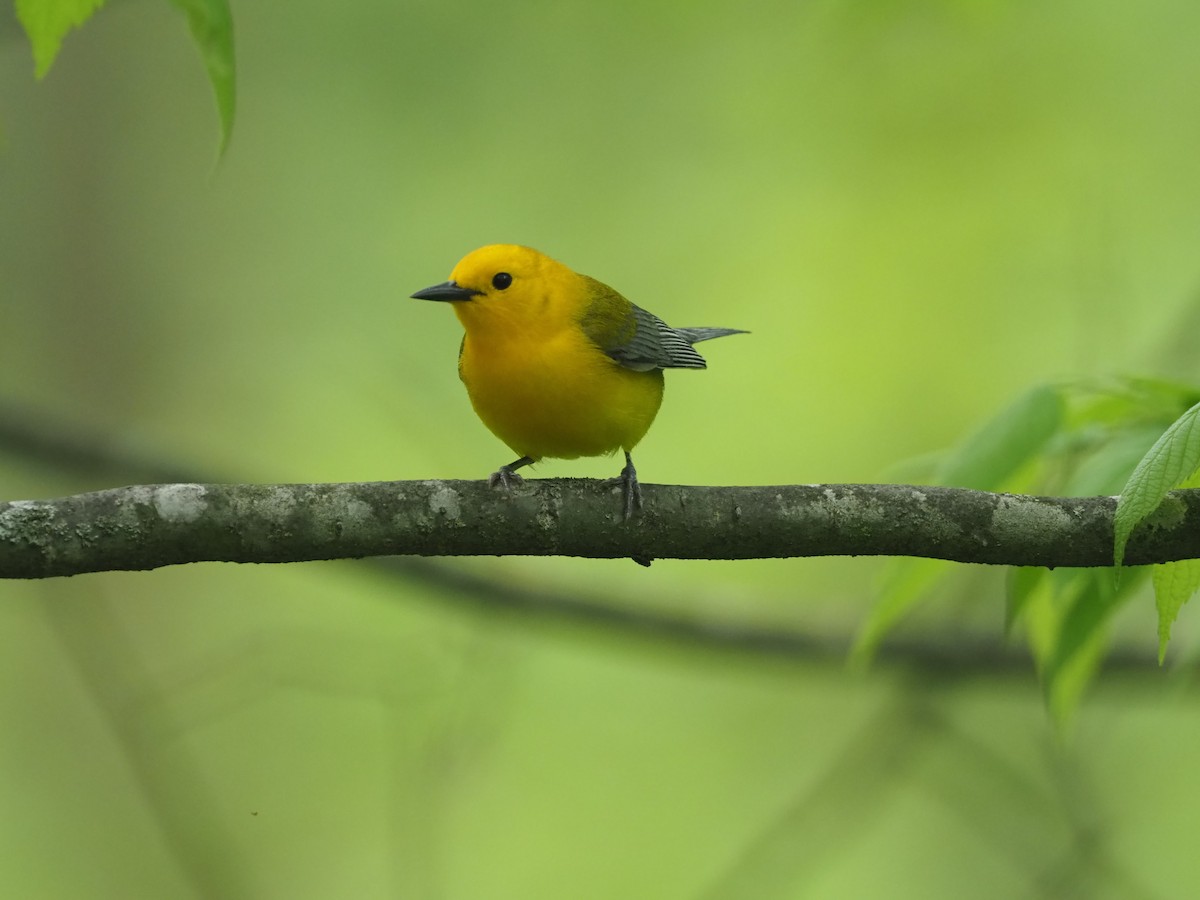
x: 508, y: 286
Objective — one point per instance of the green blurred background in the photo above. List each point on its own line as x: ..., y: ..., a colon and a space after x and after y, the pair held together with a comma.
x: 919, y: 209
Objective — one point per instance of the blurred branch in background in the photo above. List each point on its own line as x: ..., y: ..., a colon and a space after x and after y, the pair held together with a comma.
x: 70, y: 447
x: 911, y: 744
x: 822, y: 820
x: 174, y: 788
x: 27, y: 434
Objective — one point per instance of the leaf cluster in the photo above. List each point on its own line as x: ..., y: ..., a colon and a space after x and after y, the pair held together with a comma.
x: 1069, y: 439
x: 47, y: 23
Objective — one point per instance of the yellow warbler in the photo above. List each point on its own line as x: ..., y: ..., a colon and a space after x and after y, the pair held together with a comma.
x: 558, y: 364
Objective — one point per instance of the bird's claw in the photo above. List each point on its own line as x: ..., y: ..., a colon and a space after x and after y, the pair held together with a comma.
x: 631, y: 488
x: 505, y: 479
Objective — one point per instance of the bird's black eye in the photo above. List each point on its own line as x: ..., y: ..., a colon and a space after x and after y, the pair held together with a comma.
x: 501, y: 280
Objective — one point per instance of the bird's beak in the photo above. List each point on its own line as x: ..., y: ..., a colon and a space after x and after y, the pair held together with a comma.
x: 448, y: 290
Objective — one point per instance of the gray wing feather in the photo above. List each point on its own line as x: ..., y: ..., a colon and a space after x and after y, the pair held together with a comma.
x: 656, y: 345
x: 637, y: 339
x: 696, y: 335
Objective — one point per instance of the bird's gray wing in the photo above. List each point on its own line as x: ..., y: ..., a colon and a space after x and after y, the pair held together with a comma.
x: 635, y: 338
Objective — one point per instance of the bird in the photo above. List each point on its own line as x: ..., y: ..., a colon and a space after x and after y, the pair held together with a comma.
x: 558, y: 364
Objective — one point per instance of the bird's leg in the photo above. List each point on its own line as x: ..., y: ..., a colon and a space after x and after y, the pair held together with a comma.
x: 630, y: 489
x: 507, y: 476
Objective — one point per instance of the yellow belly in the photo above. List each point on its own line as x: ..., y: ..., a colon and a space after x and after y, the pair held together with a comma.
x: 560, y: 398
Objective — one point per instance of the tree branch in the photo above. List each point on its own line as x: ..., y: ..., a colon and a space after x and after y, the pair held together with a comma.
x: 147, y: 526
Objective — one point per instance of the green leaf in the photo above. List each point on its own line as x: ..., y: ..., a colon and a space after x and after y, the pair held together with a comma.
x: 1090, y: 597
x: 907, y: 582
x: 1160, y: 397
x: 1065, y: 687
x: 1174, y: 585
x: 1128, y: 400
x: 212, y: 28
x: 1023, y: 582
x: 1006, y: 443
x: 1105, y: 467
x: 1066, y: 614
x: 47, y: 22
x: 1041, y: 616
x: 986, y: 460
x: 1172, y: 460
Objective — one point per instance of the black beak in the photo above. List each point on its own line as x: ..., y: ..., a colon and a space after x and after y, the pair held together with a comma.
x: 446, y: 291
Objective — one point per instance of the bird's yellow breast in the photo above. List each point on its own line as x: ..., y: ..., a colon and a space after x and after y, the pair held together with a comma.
x: 557, y: 394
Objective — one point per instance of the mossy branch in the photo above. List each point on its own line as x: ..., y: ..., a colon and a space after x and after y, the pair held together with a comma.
x: 147, y: 526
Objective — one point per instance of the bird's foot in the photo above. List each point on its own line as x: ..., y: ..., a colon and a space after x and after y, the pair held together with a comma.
x: 631, y: 489
x: 506, y: 477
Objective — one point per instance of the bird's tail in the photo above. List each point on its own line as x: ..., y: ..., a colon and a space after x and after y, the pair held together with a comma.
x: 696, y: 335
